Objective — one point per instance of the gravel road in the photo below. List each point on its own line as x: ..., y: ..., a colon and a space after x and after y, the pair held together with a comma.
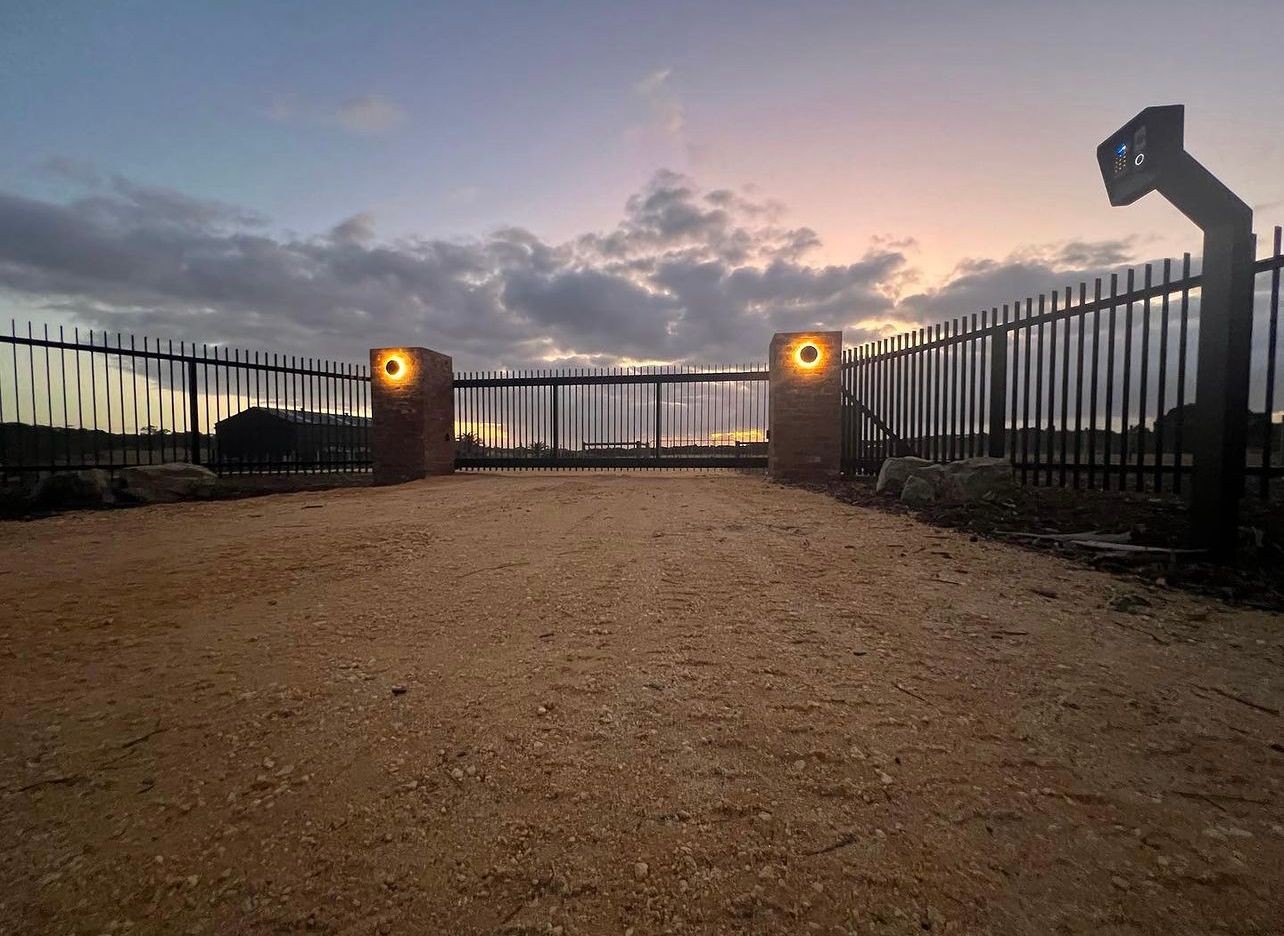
x: 645, y: 704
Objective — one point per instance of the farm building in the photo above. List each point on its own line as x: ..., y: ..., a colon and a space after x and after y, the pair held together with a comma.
x: 263, y: 433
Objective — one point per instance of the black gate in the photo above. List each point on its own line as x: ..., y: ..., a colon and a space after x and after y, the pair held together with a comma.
x: 642, y: 417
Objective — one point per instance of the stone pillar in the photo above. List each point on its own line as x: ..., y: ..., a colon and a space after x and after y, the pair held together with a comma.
x: 806, y: 406
x: 412, y: 402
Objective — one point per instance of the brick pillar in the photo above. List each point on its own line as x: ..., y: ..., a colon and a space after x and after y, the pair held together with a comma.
x: 412, y: 402
x: 806, y: 406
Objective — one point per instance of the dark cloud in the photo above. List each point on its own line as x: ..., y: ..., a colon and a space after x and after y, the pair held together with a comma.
x: 977, y: 284
x: 686, y: 275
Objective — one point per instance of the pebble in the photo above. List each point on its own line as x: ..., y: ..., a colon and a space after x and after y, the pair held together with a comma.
x: 641, y: 870
x: 398, y: 690
x: 457, y: 773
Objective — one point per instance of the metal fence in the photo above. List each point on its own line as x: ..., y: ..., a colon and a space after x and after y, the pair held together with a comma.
x: 71, y: 402
x: 642, y: 417
x: 1078, y: 388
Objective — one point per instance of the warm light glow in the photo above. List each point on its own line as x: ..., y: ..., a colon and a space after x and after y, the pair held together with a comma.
x: 395, y: 367
x: 738, y: 435
x: 807, y: 355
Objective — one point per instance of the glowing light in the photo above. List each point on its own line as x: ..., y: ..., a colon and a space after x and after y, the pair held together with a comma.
x: 807, y: 355
x: 396, y: 368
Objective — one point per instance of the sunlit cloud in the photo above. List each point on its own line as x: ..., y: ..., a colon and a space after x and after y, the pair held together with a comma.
x: 366, y: 114
x: 369, y: 113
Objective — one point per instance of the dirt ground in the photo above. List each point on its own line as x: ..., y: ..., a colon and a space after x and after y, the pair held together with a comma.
x: 619, y: 704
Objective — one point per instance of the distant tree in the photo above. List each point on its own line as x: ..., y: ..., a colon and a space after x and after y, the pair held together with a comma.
x: 468, y: 443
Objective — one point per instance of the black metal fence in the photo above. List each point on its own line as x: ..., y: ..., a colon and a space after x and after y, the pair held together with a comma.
x: 642, y: 417
x: 68, y: 402
x: 1078, y: 388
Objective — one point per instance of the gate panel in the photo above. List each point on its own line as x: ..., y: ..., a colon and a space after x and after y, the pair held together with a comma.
x: 603, y: 418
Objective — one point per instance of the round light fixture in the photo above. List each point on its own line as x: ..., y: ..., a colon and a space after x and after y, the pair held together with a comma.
x: 394, y: 367
x: 807, y: 355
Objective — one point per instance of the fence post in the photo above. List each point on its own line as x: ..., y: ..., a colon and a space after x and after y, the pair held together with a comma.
x: 658, y: 385
x: 193, y: 415
x: 998, y: 392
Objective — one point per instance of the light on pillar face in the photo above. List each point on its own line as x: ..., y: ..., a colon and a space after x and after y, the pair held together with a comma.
x: 807, y: 355
x: 395, y: 368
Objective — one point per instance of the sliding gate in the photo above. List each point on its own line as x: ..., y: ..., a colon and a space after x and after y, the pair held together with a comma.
x: 642, y: 417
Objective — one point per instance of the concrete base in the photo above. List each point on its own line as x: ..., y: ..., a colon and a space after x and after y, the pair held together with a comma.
x: 412, y: 404
x: 806, y: 406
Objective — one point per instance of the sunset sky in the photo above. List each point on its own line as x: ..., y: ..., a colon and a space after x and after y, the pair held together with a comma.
x: 582, y: 183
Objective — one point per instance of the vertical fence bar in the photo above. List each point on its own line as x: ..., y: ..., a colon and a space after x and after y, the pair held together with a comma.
x: 1025, y: 393
x: 658, y: 414
x: 1162, y: 389
x: 193, y: 415
x: 1052, y: 388
x: 1110, y: 381
x: 1143, y: 381
x: 1268, y: 430
x: 1078, y: 381
x: 1125, y: 397
x: 1065, y: 390
x: 998, y: 388
x: 1179, y: 452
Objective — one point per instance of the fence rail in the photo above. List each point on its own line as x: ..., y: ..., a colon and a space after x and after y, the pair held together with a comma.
x: 72, y: 403
x: 1076, y: 388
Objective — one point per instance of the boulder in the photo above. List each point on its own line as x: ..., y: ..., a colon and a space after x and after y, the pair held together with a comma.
x: 965, y: 481
x: 70, y: 490
x: 173, y: 481
x: 16, y: 496
x: 895, y: 471
x: 929, y: 484
x: 982, y: 478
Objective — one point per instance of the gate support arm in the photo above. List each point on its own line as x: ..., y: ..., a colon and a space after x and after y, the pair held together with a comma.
x: 899, y: 445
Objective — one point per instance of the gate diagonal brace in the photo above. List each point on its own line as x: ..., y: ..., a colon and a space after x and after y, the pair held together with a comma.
x: 899, y: 445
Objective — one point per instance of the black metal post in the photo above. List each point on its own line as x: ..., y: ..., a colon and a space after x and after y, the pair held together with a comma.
x: 193, y: 415
x: 658, y: 385
x: 553, y: 389
x: 998, y: 392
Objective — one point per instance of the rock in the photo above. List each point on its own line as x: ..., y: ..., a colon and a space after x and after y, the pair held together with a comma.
x: 1128, y: 603
x: 641, y: 870
x: 896, y: 471
x: 173, y: 481
x: 16, y: 498
x: 927, y: 485
x: 982, y: 478
x: 967, y: 480
x: 398, y: 690
x: 70, y: 490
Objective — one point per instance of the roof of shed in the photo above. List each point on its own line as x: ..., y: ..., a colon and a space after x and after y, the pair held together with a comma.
x: 306, y: 417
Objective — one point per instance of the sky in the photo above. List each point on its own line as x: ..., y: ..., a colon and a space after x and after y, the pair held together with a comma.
x: 570, y: 184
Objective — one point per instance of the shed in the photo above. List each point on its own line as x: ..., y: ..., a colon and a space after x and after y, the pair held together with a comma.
x: 264, y: 433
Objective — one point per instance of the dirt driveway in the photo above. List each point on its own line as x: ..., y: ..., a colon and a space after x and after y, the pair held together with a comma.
x: 617, y: 704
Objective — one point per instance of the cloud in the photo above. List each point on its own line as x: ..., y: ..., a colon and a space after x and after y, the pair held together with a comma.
x: 667, y: 117
x: 370, y: 113
x: 685, y: 275
x: 366, y: 114
x: 982, y: 283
